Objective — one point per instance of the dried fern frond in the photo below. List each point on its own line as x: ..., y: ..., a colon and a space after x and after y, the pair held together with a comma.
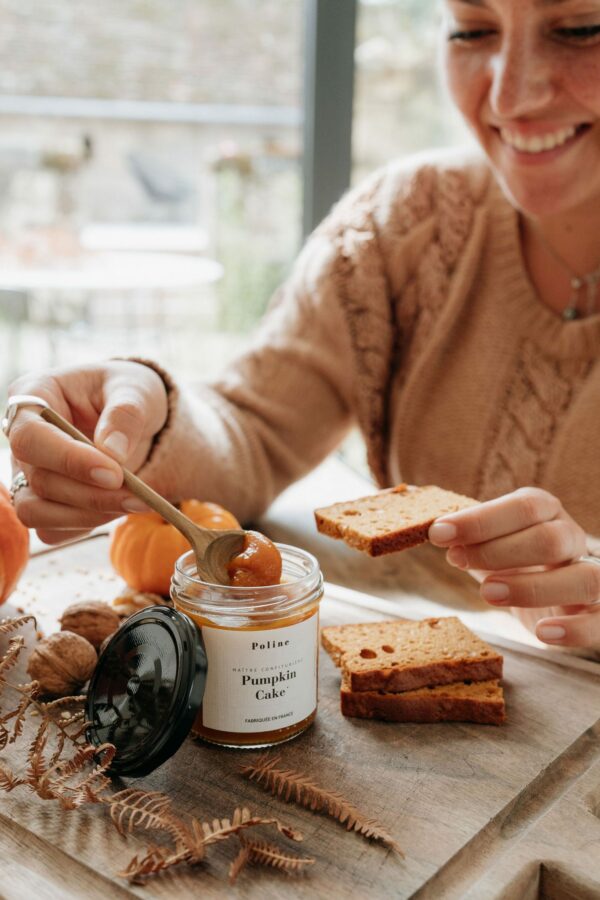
x: 86, y: 788
x: 155, y: 860
x: 50, y: 706
x: 70, y: 781
x: 10, y: 625
x: 221, y: 829
x: 9, y: 659
x: 297, y: 787
x: 133, y: 808
x: 8, y: 780
x: 240, y: 862
x: 151, y: 810
x: 267, y: 854
x: 19, y: 718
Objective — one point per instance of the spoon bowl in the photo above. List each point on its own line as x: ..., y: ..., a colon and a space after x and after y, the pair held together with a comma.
x: 220, y: 552
x: 213, y: 548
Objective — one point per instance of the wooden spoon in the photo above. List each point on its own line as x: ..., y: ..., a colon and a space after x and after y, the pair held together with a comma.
x: 213, y: 549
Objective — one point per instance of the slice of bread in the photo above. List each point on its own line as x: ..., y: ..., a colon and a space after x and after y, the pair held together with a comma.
x: 394, y: 519
x: 340, y: 639
x: 481, y: 702
x: 406, y: 655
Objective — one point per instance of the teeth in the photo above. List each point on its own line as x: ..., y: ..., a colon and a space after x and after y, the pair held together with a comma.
x: 537, y: 144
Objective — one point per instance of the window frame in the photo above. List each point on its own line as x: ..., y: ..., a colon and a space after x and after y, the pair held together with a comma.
x: 329, y: 44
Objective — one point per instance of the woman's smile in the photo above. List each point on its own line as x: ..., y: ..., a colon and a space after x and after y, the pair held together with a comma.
x: 538, y: 145
x: 526, y: 77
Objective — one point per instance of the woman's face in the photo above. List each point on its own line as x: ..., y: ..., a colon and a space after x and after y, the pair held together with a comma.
x: 526, y: 76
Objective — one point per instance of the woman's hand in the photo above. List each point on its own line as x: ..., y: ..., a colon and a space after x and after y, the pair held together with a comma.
x: 72, y: 487
x: 529, y: 549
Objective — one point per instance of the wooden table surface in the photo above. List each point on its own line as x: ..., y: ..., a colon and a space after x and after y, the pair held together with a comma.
x: 480, y: 811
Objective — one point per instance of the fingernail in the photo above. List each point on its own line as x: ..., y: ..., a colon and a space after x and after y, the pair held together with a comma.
x: 106, y: 478
x: 456, y: 556
x: 495, y: 591
x: 550, y: 632
x: 117, y: 443
x: 442, y: 532
x: 134, y: 505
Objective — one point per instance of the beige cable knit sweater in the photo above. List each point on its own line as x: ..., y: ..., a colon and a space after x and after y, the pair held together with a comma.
x: 410, y: 312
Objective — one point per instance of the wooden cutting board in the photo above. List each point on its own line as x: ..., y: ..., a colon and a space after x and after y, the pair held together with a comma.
x: 480, y: 811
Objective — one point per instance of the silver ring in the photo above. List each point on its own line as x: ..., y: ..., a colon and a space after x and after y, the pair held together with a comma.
x: 590, y: 559
x: 596, y: 562
x: 18, y: 482
x: 14, y: 404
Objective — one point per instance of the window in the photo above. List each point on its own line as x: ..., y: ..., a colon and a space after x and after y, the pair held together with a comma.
x: 399, y: 104
x: 150, y: 163
x: 150, y: 170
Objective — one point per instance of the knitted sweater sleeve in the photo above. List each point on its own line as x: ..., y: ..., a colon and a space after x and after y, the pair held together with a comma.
x: 276, y: 412
x: 322, y: 359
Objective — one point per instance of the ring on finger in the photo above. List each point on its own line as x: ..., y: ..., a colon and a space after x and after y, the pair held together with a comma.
x: 18, y: 482
x: 596, y: 562
x: 13, y: 406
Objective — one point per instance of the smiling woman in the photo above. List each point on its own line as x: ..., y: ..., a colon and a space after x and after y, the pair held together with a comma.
x: 526, y: 78
x: 429, y: 309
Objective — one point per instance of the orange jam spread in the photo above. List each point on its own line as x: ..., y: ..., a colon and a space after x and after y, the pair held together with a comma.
x: 258, y: 563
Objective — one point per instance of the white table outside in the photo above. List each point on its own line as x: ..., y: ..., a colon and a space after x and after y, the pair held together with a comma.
x: 63, y: 291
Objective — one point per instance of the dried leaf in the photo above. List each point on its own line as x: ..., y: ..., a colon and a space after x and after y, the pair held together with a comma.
x: 133, y: 808
x: 221, y: 829
x: 240, y: 862
x: 19, y: 714
x: 15, y: 645
x: 268, y: 854
x: 62, y: 702
x: 10, y: 625
x: 297, y: 787
x: 155, y: 860
x: 8, y: 780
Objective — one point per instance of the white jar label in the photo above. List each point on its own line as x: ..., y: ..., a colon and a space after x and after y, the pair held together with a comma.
x: 260, y: 680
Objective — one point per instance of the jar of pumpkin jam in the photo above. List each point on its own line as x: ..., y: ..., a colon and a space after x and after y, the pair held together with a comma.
x: 261, y: 648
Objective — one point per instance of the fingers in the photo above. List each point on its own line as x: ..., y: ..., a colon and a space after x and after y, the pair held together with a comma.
x: 548, y: 544
x: 528, y: 527
x: 572, y: 631
x: 60, y: 489
x: 134, y: 410
x: 573, y: 585
x: 48, y: 536
x: 47, y: 515
x: 122, y: 423
x: 38, y: 444
x: 495, y: 518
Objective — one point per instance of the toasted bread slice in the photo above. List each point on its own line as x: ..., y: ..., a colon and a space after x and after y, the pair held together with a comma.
x: 340, y: 639
x: 391, y: 520
x: 481, y: 702
x: 404, y: 656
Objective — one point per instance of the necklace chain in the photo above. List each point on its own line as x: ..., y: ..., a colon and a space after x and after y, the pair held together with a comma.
x: 589, y: 280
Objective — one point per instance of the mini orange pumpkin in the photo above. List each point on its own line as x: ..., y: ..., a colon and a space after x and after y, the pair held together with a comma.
x: 144, y: 547
x: 14, y: 545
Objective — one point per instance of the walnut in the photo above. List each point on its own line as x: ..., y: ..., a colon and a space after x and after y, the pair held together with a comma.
x: 62, y: 663
x: 131, y: 601
x: 92, y: 619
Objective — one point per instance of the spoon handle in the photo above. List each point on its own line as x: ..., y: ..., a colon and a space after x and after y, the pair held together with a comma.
x: 140, y: 488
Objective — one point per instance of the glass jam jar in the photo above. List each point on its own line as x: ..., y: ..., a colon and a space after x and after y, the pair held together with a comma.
x: 262, y: 651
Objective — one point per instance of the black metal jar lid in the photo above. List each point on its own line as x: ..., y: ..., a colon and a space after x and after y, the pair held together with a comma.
x: 147, y: 689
